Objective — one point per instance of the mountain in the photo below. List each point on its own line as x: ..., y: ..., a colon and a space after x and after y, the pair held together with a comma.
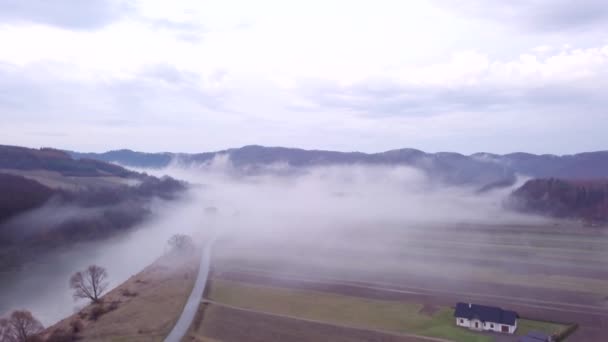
x: 49, y: 200
x: 579, y: 199
x: 19, y: 194
x: 484, y: 170
x: 588, y: 165
x: 129, y: 158
x: 22, y: 158
x: 450, y: 168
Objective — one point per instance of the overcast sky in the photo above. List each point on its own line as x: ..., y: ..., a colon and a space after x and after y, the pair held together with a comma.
x: 201, y: 75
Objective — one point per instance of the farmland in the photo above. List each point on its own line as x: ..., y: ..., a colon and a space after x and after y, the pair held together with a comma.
x: 547, y: 272
x: 222, y: 323
x: 383, y: 315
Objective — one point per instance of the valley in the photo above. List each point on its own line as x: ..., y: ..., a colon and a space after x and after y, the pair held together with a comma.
x: 357, y: 252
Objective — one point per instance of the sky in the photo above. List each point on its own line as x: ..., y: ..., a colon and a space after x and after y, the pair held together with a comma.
x: 203, y: 75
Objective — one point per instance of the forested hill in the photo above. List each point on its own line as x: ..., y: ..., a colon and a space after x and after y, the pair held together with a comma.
x: 50, y: 200
x: 480, y: 169
x: 579, y: 199
x: 22, y: 158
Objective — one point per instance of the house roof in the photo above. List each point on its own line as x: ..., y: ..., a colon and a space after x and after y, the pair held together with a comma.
x: 485, y: 313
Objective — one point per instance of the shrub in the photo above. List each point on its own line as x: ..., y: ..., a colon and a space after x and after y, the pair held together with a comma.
x: 97, y: 311
x: 180, y: 243
x: 113, y: 306
x: 565, y: 333
x: 34, y: 338
x: 76, y: 326
x: 61, y: 335
x: 128, y: 293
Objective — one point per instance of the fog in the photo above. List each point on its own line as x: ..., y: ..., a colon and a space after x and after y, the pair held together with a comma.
x: 347, y: 221
x: 42, y: 286
x: 327, y: 218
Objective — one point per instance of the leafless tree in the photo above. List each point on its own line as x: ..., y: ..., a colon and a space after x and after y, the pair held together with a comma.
x: 20, y: 326
x: 4, y: 330
x: 181, y: 243
x: 89, y: 283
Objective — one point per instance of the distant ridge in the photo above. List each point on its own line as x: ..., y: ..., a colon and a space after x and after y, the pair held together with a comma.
x: 483, y: 169
x: 449, y: 168
x: 22, y: 158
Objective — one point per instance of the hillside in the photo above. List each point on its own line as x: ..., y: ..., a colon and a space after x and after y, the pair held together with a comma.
x: 449, y: 168
x: 22, y: 158
x: 49, y: 200
x: 580, y: 199
x: 19, y: 194
x: 485, y: 170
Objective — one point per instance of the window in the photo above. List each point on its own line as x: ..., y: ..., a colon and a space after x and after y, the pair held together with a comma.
x: 492, y: 325
x: 461, y: 321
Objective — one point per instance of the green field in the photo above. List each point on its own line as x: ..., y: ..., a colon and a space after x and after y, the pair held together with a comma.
x: 393, y: 316
x: 524, y: 326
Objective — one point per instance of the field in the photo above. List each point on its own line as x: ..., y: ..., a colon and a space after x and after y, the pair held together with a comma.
x: 227, y: 324
x: 379, y: 315
x: 547, y: 272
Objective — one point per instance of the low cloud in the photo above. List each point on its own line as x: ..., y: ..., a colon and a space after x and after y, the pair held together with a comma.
x: 274, y: 215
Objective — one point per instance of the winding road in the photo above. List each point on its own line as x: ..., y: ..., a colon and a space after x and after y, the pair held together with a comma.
x: 185, y: 319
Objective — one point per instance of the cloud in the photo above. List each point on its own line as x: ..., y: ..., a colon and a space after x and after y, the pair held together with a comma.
x: 538, y: 15
x: 370, y: 80
x: 185, y: 30
x: 570, y: 80
x: 70, y: 14
x: 158, y: 92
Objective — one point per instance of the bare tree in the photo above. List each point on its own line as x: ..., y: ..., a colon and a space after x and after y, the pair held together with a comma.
x: 5, y: 331
x: 20, y: 326
x: 181, y: 243
x: 89, y: 283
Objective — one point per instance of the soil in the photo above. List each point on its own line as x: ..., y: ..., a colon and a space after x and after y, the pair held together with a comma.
x: 592, y: 321
x: 227, y: 324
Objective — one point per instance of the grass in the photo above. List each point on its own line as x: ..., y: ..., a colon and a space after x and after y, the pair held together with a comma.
x: 402, y: 317
x: 162, y: 290
x: 395, y: 316
x: 524, y: 326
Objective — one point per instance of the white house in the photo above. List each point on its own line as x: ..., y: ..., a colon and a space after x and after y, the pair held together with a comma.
x: 485, y: 318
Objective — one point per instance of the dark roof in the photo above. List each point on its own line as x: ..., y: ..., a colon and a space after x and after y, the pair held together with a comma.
x: 485, y: 313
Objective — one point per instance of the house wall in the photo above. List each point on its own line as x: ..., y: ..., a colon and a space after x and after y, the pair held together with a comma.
x: 463, y: 322
x: 490, y: 326
x: 476, y: 324
x: 512, y: 328
x: 486, y: 326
